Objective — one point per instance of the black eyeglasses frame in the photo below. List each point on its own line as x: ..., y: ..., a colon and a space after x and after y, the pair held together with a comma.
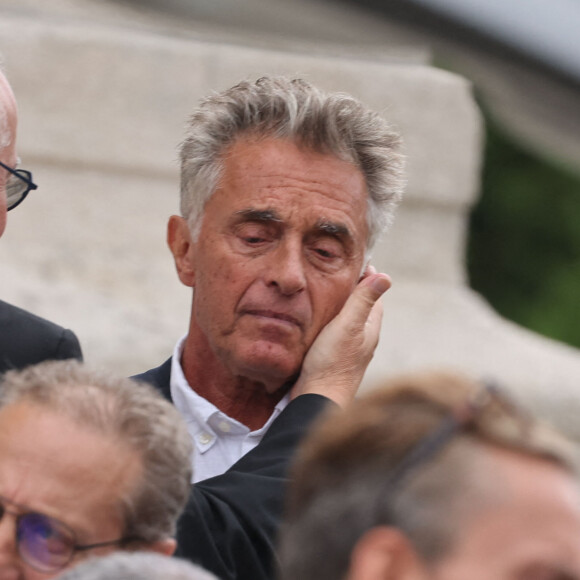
x: 25, y: 176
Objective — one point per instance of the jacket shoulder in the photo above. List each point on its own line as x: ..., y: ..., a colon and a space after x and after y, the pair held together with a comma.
x: 158, y: 377
x: 26, y: 339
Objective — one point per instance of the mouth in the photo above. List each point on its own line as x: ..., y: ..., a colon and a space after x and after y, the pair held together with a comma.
x: 273, y: 315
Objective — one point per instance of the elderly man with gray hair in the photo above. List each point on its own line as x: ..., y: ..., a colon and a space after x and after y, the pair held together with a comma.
x: 433, y: 477
x: 284, y: 191
x: 25, y: 338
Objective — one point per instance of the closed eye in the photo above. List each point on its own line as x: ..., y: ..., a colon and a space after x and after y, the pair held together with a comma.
x: 324, y: 253
x: 327, y: 253
x: 253, y: 240
x: 254, y: 236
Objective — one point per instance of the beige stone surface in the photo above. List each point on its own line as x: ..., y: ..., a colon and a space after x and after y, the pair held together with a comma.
x: 102, y: 109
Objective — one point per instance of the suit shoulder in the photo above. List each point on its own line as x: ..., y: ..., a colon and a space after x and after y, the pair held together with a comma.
x: 26, y: 338
x: 11, y: 315
x: 158, y: 377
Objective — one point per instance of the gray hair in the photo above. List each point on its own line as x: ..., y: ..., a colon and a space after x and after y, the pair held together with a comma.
x: 340, y: 486
x: 137, y: 416
x: 136, y: 566
x: 293, y: 109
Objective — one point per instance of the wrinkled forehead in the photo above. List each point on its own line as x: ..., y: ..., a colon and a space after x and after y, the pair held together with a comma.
x: 7, y: 113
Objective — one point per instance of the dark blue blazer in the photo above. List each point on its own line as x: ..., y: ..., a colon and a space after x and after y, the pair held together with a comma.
x: 27, y: 339
x: 159, y: 377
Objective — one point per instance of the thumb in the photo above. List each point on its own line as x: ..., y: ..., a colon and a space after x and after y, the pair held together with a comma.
x: 360, y: 303
x: 336, y: 362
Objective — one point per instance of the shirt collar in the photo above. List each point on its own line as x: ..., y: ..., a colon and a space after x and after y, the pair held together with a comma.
x: 198, y: 410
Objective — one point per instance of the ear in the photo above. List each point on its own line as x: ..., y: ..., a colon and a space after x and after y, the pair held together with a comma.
x: 384, y: 553
x: 183, y: 249
x: 165, y: 547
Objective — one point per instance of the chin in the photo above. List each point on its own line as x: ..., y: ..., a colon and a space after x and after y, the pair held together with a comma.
x: 273, y: 367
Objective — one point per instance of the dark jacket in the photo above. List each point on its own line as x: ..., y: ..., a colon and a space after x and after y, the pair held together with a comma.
x: 26, y: 339
x: 231, y: 521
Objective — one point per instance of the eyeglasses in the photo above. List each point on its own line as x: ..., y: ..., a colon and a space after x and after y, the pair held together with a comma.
x: 18, y: 186
x: 460, y: 419
x: 46, y: 544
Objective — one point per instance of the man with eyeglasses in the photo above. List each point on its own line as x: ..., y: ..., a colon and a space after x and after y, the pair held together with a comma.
x: 89, y: 463
x: 24, y: 338
x: 433, y: 477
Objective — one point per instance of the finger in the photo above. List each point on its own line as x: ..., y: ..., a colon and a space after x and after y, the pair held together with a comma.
x: 373, y: 324
x: 376, y: 314
x: 372, y: 288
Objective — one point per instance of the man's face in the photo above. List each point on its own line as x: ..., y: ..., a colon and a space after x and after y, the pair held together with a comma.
x: 533, y: 534
x: 51, y: 465
x: 281, y: 247
x: 7, y: 141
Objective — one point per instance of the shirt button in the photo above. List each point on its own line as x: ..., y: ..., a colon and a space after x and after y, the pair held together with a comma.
x: 204, y: 438
x: 224, y: 427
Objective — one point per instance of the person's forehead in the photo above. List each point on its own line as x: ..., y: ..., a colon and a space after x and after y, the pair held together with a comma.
x: 533, y: 521
x: 272, y: 177
x: 7, y: 113
x: 53, y: 465
x: 530, y: 478
x: 252, y: 155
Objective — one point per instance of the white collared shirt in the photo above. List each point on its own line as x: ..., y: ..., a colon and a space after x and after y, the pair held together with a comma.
x: 218, y: 440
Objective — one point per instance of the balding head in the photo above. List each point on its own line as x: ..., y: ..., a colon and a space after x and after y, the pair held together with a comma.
x: 7, y: 140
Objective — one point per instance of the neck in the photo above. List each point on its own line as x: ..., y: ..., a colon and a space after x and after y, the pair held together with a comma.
x: 249, y: 401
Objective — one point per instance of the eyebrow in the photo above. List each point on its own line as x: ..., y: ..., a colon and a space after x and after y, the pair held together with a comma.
x: 325, y: 227
x: 259, y: 215
x: 337, y: 230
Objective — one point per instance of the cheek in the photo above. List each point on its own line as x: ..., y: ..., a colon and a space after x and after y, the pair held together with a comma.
x: 221, y: 286
x: 329, y: 296
x: 218, y: 264
x: 226, y: 277
x: 30, y: 574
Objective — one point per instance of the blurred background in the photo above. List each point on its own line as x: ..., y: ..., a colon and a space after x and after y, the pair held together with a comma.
x: 523, y: 57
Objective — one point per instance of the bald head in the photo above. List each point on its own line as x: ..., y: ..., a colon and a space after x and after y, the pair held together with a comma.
x: 7, y: 141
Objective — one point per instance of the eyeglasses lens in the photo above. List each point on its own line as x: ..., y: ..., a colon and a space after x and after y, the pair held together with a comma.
x: 42, y: 543
x: 16, y: 188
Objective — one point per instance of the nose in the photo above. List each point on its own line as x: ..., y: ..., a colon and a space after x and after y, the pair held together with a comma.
x: 9, y: 560
x: 286, y: 269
